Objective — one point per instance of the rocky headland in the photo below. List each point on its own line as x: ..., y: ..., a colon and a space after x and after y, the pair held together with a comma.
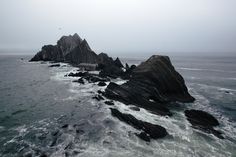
x: 151, y: 85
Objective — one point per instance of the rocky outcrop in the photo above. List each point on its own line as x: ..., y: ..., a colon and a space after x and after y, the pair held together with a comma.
x: 203, y: 121
x: 153, y: 83
x: 72, y: 49
x: 149, y: 130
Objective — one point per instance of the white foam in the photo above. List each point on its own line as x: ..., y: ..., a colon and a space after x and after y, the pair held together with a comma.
x: 198, y: 69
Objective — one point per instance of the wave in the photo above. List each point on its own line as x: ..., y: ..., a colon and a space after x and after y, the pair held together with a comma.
x: 198, y: 69
x: 214, y: 87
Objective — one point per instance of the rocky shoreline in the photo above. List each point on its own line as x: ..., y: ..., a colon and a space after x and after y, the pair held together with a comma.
x: 151, y: 85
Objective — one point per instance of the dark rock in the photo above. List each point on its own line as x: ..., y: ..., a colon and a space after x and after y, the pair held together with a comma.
x: 102, y: 83
x: 203, y: 121
x: 154, y: 79
x: 111, y: 71
x: 128, y: 96
x: 65, y: 126
x: 126, y: 66
x: 98, y: 97
x: 81, y: 81
x: 100, y: 92
x: 118, y: 63
x: 43, y: 155
x: 153, y: 131
x: 79, y: 74
x: 110, y: 103
x: 54, y: 65
x: 144, y: 136
x: 104, y: 60
x: 71, y: 49
x: 93, y: 78
x: 79, y: 131
x: 135, y: 108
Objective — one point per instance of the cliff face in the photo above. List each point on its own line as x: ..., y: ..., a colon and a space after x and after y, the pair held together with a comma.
x: 153, y: 83
x: 71, y: 49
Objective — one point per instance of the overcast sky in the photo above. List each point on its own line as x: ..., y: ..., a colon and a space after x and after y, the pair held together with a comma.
x: 122, y: 26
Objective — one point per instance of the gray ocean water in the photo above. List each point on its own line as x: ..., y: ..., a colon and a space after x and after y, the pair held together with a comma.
x: 44, y: 113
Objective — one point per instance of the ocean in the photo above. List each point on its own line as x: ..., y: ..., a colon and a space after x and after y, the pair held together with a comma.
x: 44, y: 113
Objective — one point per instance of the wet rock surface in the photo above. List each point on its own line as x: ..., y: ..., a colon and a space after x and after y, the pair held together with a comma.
x: 55, y: 65
x: 156, y: 80
x: 101, y: 83
x: 203, y: 121
x: 151, y: 130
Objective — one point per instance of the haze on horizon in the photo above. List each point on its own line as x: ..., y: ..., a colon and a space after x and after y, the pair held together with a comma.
x: 202, y: 27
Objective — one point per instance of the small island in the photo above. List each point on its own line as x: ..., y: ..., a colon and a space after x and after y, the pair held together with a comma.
x: 151, y: 85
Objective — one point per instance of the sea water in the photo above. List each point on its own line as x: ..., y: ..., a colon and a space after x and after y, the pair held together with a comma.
x: 42, y: 112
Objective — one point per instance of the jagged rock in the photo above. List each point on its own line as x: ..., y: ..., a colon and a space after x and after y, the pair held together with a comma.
x: 104, y: 59
x: 118, y: 63
x: 152, y: 130
x: 93, y: 78
x: 128, y: 96
x: 101, y: 83
x: 81, y: 81
x: 98, y: 97
x: 154, y: 79
x: 68, y: 43
x: 81, y: 54
x: 126, y: 66
x: 203, y: 121
x: 110, y: 103
x: 79, y: 74
x: 70, y: 49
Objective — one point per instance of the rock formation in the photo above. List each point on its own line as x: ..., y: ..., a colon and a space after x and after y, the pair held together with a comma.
x: 203, y: 121
x: 73, y: 50
x: 153, y: 83
x: 149, y: 130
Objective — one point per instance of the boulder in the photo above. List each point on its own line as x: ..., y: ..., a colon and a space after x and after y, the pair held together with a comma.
x: 101, y: 83
x: 98, y: 97
x: 110, y: 103
x: 203, y: 121
x: 79, y: 74
x: 81, y: 81
x: 152, y: 130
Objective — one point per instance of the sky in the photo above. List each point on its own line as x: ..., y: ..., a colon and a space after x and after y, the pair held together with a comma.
x: 132, y: 27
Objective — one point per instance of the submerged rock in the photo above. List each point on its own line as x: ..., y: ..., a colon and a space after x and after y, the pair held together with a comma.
x: 55, y: 65
x: 134, y: 108
x: 79, y: 74
x: 152, y: 130
x: 81, y: 81
x: 203, y: 121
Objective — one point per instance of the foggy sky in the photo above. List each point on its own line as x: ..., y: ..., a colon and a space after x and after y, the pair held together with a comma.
x: 122, y: 26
